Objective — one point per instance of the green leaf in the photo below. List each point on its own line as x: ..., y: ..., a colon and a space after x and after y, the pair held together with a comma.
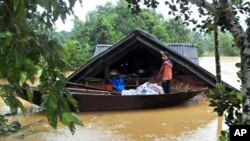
x: 238, y: 65
x: 52, y: 103
x: 5, y: 34
x: 211, y: 26
x: 239, y: 74
x: 20, y: 11
x: 16, y: 4
x: 52, y: 118
x: 237, y: 2
x: 239, y: 96
x: 71, y: 100
x: 49, y: 104
x: 23, y: 78
x: 17, y: 58
x: 68, y: 118
x: 223, y: 138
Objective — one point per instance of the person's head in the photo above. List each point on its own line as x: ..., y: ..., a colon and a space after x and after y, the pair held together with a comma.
x: 164, y: 55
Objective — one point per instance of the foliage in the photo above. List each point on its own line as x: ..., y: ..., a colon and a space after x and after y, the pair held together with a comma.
x: 27, y: 47
x: 6, y: 129
x: 110, y: 23
x: 61, y: 36
x: 177, y: 31
x: 226, y: 15
x: 224, y: 135
x: 209, y: 14
x: 78, y: 53
x: 227, y: 103
x: 226, y: 43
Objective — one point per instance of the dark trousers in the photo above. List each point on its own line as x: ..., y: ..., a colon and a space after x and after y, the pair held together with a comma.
x: 166, y: 85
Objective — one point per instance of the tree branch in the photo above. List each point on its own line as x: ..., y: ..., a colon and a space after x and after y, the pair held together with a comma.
x: 228, y: 13
x: 202, y: 3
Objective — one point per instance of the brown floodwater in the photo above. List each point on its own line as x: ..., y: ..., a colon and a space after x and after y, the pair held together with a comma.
x: 191, y: 121
x: 228, y: 68
x: 174, y: 123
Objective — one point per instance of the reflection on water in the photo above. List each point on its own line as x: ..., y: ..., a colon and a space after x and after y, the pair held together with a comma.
x: 189, y: 122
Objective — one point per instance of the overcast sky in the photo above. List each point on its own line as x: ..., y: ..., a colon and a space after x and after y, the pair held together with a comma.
x: 80, y: 11
x: 90, y: 5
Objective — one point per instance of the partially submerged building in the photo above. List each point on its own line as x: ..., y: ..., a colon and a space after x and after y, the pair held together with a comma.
x: 137, y: 58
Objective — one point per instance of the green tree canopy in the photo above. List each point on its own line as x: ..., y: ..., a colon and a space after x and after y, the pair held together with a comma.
x: 28, y: 50
x: 226, y: 43
x: 110, y: 23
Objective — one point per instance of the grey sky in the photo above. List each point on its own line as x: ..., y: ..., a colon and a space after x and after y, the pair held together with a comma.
x: 89, y: 5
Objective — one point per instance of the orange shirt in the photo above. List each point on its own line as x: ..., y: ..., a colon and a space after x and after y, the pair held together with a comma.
x: 166, y: 71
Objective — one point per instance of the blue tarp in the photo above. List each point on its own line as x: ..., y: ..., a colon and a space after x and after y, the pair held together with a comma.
x: 118, y: 83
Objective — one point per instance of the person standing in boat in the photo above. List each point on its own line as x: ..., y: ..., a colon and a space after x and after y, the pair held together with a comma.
x: 165, y: 74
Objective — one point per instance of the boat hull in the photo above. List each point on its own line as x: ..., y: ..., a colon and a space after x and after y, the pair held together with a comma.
x: 101, y: 102
x: 114, y: 102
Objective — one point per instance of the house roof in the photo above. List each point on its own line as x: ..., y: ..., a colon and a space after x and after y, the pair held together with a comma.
x: 188, y: 50
x: 101, y: 48
x: 136, y: 37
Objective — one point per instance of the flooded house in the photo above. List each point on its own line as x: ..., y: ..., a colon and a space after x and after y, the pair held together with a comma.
x: 137, y: 58
x: 134, y: 62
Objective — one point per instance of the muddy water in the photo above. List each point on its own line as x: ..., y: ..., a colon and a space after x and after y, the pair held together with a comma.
x: 228, y: 68
x: 175, y: 123
x: 189, y: 122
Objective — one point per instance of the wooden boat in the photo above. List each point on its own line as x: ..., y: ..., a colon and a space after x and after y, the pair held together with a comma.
x: 96, y: 99
x: 97, y: 102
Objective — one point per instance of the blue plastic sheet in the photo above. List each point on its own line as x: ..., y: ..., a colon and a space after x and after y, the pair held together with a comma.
x: 118, y: 83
